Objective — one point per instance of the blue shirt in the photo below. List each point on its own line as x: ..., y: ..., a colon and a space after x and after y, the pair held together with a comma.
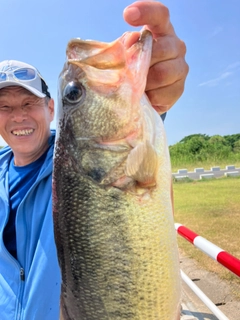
x: 20, y: 180
x: 29, y: 285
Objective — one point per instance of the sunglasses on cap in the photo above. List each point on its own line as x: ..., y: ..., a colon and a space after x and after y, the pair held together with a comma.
x: 24, y: 74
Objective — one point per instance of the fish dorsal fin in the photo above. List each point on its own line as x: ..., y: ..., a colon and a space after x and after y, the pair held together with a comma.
x: 142, y: 164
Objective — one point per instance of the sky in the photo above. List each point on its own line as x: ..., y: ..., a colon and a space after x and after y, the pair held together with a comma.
x: 37, y: 32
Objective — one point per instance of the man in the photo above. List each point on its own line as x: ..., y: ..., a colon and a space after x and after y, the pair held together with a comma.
x: 29, y: 272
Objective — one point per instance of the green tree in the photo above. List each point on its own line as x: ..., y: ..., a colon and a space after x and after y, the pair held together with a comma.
x: 197, y: 135
x: 231, y: 139
x: 218, y: 140
x: 201, y: 147
x: 236, y: 147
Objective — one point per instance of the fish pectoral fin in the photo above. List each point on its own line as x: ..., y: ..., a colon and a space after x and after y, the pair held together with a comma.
x: 142, y: 164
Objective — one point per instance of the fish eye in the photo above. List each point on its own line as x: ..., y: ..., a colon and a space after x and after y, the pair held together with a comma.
x: 73, y: 92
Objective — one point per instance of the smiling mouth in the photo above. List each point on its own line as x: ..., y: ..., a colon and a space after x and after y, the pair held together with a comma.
x: 25, y: 132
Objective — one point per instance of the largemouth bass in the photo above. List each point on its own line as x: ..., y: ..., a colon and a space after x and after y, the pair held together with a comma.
x: 113, y: 215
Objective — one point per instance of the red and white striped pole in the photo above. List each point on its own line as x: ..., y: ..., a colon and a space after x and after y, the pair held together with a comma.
x: 213, y: 251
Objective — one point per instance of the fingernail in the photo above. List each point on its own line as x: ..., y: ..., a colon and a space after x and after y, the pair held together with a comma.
x: 133, y: 13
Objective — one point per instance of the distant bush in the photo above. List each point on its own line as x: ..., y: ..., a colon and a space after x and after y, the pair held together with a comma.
x: 203, y: 148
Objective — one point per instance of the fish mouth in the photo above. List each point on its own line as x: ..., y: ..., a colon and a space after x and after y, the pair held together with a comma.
x: 22, y: 132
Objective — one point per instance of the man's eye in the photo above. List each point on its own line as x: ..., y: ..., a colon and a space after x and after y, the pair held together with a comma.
x: 27, y: 104
x: 5, y: 108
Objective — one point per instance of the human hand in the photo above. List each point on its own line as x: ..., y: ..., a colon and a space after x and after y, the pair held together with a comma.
x: 168, y: 68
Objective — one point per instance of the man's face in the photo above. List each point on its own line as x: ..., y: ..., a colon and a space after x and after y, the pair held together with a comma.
x: 25, y: 123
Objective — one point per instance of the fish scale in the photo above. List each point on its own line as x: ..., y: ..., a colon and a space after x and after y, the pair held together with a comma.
x: 104, y: 261
x: 114, y: 232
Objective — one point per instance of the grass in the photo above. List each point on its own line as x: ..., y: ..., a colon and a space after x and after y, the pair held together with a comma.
x: 210, y: 208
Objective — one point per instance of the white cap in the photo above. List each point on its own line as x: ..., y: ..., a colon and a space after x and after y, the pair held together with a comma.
x: 36, y: 85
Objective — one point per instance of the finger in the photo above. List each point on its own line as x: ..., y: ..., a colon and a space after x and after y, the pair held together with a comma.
x: 166, y: 48
x: 162, y: 99
x: 153, y: 14
x: 166, y: 73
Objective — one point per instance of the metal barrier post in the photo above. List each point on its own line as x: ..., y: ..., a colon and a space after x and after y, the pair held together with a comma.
x: 211, y: 306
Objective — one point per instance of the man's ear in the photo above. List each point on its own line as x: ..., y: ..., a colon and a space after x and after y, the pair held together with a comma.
x: 51, y: 108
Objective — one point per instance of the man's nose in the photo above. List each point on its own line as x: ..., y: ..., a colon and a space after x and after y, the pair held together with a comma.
x: 19, y: 114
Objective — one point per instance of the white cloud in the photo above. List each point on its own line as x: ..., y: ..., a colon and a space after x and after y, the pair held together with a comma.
x: 215, y: 32
x: 235, y: 65
x: 214, y: 82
